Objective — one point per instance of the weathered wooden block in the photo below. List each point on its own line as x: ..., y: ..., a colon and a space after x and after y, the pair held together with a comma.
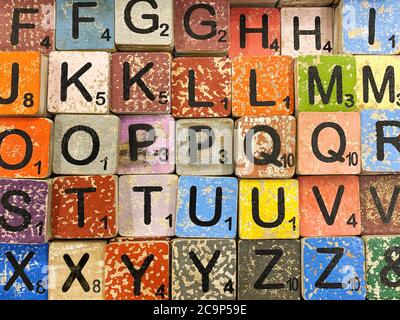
x: 329, y: 206
x: 203, y: 269
x: 23, y: 271
x: 207, y: 207
x: 25, y: 147
x: 137, y: 270
x: 382, y: 254
x: 27, y: 25
x: 306, y: 3
x: 307, y: 31
x: 333, y: 268
x: 201, y: 87
x: 144, y: 25
x: 78, y: 82
x: 204, y: 147
x: 255, y: 31
x: 84, y: 207
x: 85, y: 144
x: 265, y: 147
x: 76, y: 270
x: 326, y: 83
x: 201, y: 27
x: 269, y: 270
x: 85, y: 25
x: 147, y: 144
x: 269, y: 209
x: 328, y: 143
x: 262, y: 86
x: 141, y: 82
x: 380, y: 210
x: 147, y: 205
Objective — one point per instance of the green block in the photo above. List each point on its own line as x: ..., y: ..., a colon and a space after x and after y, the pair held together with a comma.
x: 326, y: 83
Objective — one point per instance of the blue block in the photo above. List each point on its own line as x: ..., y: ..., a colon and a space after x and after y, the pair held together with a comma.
x: 202, y: 219
x: 333, y: 268
x: 379, y: 155
x: 35, y: 259
x: 92, y: 35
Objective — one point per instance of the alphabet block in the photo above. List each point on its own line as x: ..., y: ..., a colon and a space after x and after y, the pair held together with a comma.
x: 305, y: 3
x: 262, y: 86
x: 201, y: 27
x: 85, y: 144
x: 71, y: 86
x: 137, y: 270
x: 144, y: 25
x: 262, y: 199
x: 255, y: 31
x: 269, y: 270
x: 329, y: 206
x: 329, y: 143
x: 333, y: 268
x: 23, y: 84
x: 23, y: 211
x: 266, y: 3
x: 27, y: 25
x: 141, y: 82
x: 147, y: 205
x: 201, y: 87
x: 25, y: 147
x: 76, y: 270
x: 147, y: 144
x: 203, y: 269
x: 265, y: 147
x: 84, y: 207
x: 307, y: 31
x: 85, y: 25
x: 326, y: 83
x: 23, y: 271
x: 204, y: 147
x: 207, y: 207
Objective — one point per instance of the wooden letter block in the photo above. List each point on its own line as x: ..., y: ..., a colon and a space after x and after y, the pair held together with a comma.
x: 203, y: 269
x: 201, y: 87
x: 24, y: 211
x: 137, y: 270
x: 84, y: 207
x: 204, y: 147
x: 382, y: 260
x: 85, y: 144
x: 23, y: 84
x: 76, y: 270
x: 306, y: 31
x: 201, y: 27
x: 23, y: 271
x: 269, y: 270
x: 329, y: 206
x: 144, y: 25
x: 27, y: 25
x: 141, y: 83
x: 326, y: 83
x: 25, y: 147
x: 85, y: 25
x: 147, y: 205
x: 328, y: 143
x: 255, y: 32
x: 207, y: 207
x: 147, y: 144
x: 269, y: 209
x: 333, y: 268
x: 79, y: 82
x: 262, y: 86
x: 265, y: 147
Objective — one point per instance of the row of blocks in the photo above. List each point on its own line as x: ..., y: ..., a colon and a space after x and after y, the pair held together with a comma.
x: 324, y: 268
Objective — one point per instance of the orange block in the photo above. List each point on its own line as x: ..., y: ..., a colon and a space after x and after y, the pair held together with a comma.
x: 262, y: 86
x: 25, y: 147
